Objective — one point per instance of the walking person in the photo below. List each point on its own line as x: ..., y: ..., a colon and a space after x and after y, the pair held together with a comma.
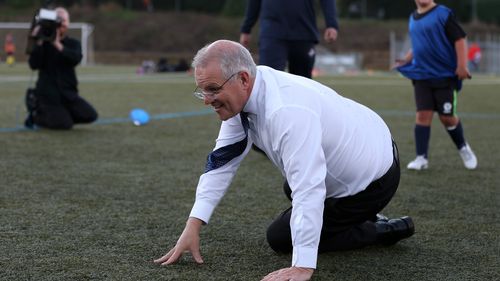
x: 288, y: 32
x: 437, y: 65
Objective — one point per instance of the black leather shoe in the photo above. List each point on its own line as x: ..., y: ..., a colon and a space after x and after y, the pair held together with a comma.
x: 391, y: 231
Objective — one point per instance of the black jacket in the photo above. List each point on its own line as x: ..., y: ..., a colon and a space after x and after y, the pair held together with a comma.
x: 56, y: 77
x: 288, y: 19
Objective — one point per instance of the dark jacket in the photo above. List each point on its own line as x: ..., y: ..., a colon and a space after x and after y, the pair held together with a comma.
x: 56, y: 77
x: 288, y: 19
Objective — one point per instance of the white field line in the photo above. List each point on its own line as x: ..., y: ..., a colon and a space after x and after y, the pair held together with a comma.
x: 182, y: 79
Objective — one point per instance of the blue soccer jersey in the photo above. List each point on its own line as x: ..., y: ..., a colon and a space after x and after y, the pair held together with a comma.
x: 433, y: 35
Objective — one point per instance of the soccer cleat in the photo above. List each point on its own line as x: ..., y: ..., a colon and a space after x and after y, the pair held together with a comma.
x: 468, y: 156
x: 420, y: 163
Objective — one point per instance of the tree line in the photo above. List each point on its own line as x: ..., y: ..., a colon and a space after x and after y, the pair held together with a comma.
x: 465, y: 10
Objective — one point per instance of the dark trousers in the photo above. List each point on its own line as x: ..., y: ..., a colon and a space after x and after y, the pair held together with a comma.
x: 348, y: 222
x: 300, y: 55
x: 63, y: 115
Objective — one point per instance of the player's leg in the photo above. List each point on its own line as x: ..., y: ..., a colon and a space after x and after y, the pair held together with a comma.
x: 10, y: 60
x: 446, y: 100
x: 301, y: 57
x: 273, y: 53
x: 423, y: 120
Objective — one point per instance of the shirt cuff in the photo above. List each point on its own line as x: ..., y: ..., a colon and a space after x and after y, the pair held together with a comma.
x: 202, y: 210
x: 304, y: 257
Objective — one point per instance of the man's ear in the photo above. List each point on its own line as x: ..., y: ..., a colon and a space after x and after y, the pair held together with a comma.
x: 245, y: 79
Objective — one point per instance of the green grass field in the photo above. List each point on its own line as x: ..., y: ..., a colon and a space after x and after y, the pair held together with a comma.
x: 100, y: 202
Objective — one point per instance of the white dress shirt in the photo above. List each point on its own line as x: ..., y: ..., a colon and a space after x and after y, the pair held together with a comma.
x: 325, y: 145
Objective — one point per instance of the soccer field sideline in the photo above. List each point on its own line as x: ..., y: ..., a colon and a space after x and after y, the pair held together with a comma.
x: 95, y: 75
x: 172, y: 115
x: 87, y: 75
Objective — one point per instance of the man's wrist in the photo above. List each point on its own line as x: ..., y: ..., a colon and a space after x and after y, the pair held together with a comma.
x: 194, y: 223
x: 305, y: 269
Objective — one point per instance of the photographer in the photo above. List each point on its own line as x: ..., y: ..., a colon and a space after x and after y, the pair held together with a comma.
x: 55, y: 56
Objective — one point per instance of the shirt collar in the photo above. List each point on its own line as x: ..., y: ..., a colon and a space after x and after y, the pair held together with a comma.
x: 251, y: 105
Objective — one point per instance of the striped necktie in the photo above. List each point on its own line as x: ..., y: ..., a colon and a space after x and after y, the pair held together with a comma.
x: 222, y: 155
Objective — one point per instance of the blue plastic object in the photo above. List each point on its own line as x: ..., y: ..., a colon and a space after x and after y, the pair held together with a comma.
x: 139, y: 116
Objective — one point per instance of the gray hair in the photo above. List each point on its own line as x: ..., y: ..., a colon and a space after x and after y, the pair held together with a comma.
x: 231, y: 56
x: 61, y: 11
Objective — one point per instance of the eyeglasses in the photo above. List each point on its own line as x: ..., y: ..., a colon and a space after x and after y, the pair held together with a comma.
x: 211, y: 91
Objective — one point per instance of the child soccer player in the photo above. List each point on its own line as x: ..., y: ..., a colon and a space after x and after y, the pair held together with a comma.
x: 436, y: 64
x: 10, y: 49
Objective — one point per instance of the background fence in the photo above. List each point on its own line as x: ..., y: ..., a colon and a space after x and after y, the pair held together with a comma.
x: 489, y: 44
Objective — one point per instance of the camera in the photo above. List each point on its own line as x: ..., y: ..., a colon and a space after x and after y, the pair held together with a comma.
x: 48, y: 22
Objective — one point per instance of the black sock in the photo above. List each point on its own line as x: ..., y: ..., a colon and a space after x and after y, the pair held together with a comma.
x: 422, y: 136
x: 457, y: 135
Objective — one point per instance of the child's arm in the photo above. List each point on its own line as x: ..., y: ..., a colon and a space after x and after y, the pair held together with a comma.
x: 461, y: 49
